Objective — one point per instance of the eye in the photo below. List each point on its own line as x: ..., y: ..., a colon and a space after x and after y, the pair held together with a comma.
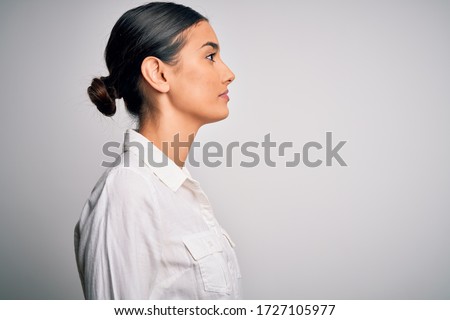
x: 211, y: 57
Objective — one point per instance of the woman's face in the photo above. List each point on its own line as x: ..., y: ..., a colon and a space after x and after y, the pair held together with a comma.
x: 200, y: 78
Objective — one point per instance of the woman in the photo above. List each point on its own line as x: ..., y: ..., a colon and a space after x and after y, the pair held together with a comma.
x: 147, y: 230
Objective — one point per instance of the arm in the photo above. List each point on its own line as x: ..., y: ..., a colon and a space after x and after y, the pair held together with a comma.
x: 122, y: 243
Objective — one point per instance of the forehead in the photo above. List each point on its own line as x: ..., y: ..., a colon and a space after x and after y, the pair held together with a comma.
x: 199, y: 34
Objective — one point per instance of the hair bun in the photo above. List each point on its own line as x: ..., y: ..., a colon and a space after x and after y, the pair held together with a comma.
x: 103, y: 95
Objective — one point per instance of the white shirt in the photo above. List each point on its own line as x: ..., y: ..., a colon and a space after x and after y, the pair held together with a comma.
x: 149, y: 232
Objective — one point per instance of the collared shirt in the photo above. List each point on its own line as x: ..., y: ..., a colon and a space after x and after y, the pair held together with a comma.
x: 147, y: 231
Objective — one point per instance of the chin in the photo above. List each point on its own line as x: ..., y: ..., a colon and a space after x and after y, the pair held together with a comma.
x: 218, y: 115
x: 223, y: 115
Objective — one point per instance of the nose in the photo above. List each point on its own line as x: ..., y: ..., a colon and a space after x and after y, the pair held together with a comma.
x: 228, y: 75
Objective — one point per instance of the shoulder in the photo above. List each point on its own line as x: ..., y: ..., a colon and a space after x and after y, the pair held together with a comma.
x: 122, y: 196
x: 128, y: 176
x: 122, y: 186
x: 128, y: 184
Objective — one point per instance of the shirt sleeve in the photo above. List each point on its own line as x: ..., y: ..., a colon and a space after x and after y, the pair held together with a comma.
x: 122, y: 246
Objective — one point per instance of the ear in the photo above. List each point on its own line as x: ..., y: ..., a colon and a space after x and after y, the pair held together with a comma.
x: 152, y: 70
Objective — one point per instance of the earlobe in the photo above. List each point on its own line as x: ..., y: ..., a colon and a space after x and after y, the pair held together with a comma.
x: 152, y: 70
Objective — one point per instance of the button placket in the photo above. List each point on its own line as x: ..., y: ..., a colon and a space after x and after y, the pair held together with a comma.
x: 232, y: 255
x: 205, y: 206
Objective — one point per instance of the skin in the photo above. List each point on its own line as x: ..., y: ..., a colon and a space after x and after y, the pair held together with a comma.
x: 187, y: 94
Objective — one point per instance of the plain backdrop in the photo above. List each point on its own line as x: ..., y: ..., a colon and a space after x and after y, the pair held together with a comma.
x: 374, y: 73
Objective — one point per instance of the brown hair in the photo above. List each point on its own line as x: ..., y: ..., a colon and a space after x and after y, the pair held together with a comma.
x: 154, y: 29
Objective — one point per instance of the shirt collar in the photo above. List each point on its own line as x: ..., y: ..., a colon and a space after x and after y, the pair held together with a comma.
x: 170, y: 173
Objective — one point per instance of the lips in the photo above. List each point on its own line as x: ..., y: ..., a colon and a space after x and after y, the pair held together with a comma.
x: 224, y: 95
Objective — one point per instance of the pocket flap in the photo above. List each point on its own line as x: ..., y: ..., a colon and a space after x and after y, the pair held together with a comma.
x: 202, y: 244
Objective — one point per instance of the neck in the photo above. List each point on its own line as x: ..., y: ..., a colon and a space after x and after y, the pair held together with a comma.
x: 172, y: 135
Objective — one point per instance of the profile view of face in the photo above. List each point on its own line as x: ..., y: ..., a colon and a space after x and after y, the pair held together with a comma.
x: 200, y: 78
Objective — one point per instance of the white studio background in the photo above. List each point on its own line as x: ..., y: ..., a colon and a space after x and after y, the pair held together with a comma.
x: 374, y: 73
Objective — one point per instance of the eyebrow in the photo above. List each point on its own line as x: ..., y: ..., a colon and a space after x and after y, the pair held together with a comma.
x: 212, y: 44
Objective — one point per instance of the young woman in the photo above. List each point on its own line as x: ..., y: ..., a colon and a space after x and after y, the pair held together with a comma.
x: 147, y: 230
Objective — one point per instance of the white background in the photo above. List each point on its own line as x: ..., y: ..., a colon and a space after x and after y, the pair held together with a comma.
x: 375, y: 73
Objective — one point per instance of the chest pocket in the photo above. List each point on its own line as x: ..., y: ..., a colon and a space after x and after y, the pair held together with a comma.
x: 205, y: 248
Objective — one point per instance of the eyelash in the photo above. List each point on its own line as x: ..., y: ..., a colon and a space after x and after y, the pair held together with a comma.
x: 212, y: 57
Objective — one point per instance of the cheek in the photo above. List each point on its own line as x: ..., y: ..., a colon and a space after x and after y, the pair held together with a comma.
x: 201, y: 85
x: 197, y: 88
